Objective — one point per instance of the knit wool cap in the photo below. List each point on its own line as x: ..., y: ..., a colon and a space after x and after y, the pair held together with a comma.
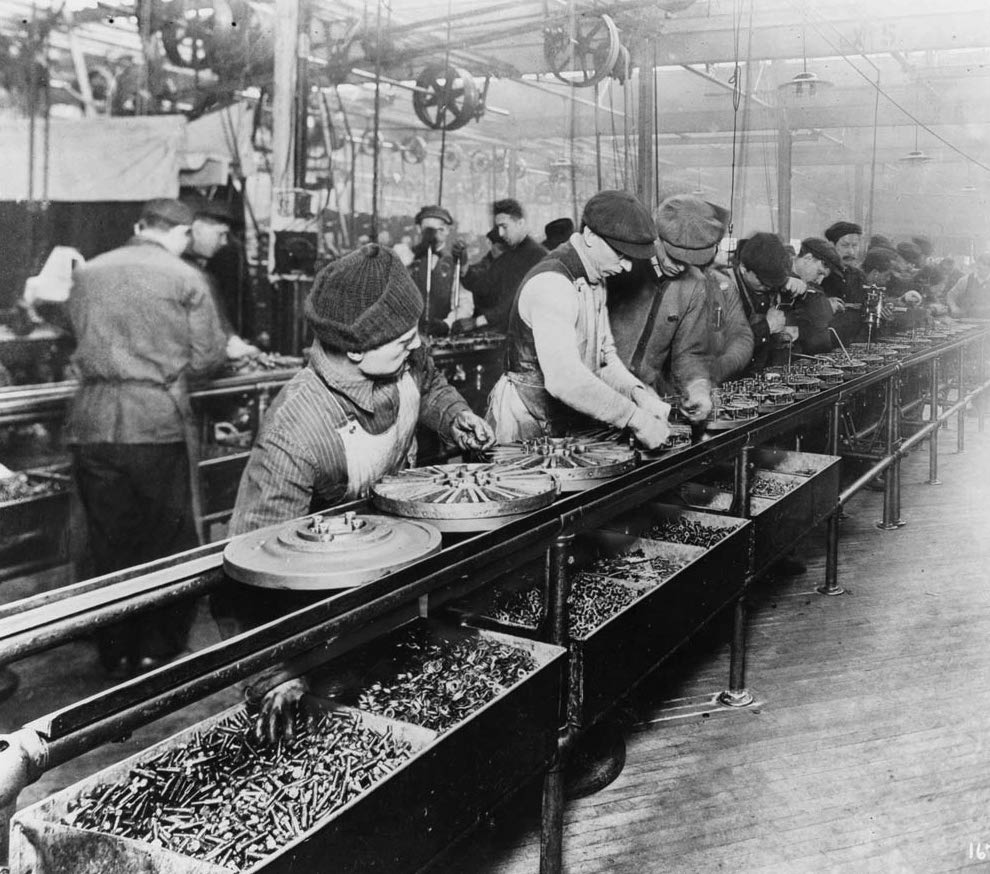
x: 824, y: 251
x: 622, y: 222
x: 434, y: 211
x: 690, y: 228
x: 167, y: 211
x: 836, y: 232
x: 363, y: 300
x: 766, y: 256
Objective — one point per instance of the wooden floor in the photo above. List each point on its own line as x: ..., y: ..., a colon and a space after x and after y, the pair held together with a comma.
x: 866, y: 751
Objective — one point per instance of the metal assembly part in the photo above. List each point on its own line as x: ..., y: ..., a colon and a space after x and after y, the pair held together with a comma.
x: 465, y: 497
x: 589, y: 46
x: 576, y: 462
x: 328, y: 552
x: 446, y: 98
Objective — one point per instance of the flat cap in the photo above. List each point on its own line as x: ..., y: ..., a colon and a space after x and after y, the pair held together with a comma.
x: 834, y: 233
x: 166, y: 210
x: 434, y: 211
x: 622, y: 221
x: 766, y: 256
x: 824, y: 251
x: 690, y: 228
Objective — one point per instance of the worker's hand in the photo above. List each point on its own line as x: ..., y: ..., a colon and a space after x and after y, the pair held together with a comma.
x: 649, y: 402
x: 462, y: 326
x: 436, y: 328
x: 280, y: 710
x: 650, y: 431
x: 838, y: 305
x: 240, y: 348
x: 887, y: 311
x: 795, y: 287
x: 912, y: 298
x: 775, y: 320
x: 697, y: 402
x: 664, y: 264
x: 458, y: 249
x: 471, y: 432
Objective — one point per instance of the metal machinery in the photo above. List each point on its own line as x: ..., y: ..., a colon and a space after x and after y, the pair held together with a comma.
x: 618, y: 533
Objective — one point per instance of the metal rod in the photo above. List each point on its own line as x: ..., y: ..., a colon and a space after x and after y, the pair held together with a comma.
x: 737, y: 695
x: 890, y: 409
x: 832, y: 586
x: 557, y: 585
x: 981, y: 374
x: 741, y: 503
x: 961, y: 418
x: 909, y: 444
x: 933, y: 377
x: 895, y: 469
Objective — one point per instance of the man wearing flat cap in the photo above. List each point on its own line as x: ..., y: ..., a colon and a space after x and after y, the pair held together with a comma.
x: 661, y: 322
x: 562, y: 371
x: 845, y: 289
x: 341, y: 424
x: 144, y: 323
x: 437, y: 274
x: 761, y: 270
x: 806, y: 309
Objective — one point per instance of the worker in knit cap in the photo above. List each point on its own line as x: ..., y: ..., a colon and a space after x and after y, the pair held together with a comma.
x: 562, y: 370
x: 341, y: 424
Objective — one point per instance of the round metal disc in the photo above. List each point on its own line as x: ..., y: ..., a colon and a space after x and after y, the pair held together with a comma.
x: 577, y: 462
x: 464, y: 497
x: 328, y: 552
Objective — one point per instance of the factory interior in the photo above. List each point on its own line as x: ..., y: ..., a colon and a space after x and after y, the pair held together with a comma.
x: 494, y: 436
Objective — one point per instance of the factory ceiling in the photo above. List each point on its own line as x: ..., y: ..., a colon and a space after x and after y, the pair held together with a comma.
x: 851, y: 83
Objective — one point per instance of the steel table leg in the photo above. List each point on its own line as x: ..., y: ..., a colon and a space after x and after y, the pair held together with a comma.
x: 557, y: 586
x: 933, y: 378
x: 737, y: 695
x: 961, y: 417
x: 889, y: 519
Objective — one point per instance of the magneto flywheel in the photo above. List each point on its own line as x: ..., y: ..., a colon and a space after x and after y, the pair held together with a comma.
x: 577, y: 462
x: 465, y: 497
x: 328, y: 552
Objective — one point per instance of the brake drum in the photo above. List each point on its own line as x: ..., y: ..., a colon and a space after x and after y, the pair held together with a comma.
x: 328, y: 552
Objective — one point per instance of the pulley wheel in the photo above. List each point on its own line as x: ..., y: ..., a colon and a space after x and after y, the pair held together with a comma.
x: 328, y: 552
x: 591, y: 50
x: 465, y: 497
x: 446, y: 98
x: 577, y: 462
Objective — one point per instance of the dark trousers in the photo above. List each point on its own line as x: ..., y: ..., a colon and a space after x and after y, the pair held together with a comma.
x: 138, y: 508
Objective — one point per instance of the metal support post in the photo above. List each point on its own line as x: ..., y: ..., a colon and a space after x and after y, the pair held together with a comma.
x: 895, y: 469
x: 961, y: 418
x: 832, y: 586
x: 737, y: 695
x: 933, y: 377
x: 556, y: 585
x: 887, y: 523
x: 981, y: 402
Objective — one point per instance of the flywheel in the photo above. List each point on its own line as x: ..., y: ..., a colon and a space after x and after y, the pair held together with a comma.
x: 588, y: 47
x: 465, y: 497
x: 328, y: 552
x: 577, y: 462
x: 446, y: 98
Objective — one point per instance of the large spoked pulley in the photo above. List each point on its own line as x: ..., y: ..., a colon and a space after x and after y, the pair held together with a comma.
x: 328, y: 552
x: 465, y: 497
x: 447, y: 98
x: 588, y: 46
x: 576, y: 462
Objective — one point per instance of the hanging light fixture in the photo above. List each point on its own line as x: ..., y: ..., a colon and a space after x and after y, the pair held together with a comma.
x: 804, y: 83
x: 915, y: 156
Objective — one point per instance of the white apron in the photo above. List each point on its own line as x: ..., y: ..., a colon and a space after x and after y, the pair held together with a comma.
x: 372, y: 456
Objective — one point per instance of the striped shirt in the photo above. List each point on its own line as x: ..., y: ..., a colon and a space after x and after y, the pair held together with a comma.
x: 298, y: 464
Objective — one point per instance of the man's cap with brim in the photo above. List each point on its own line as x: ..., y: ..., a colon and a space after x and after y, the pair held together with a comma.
x: 824, y: 251
x: 690, y: 228
x: 623, y: 222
